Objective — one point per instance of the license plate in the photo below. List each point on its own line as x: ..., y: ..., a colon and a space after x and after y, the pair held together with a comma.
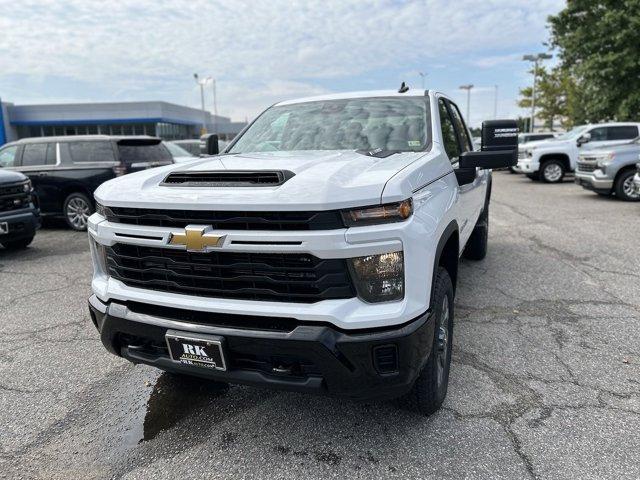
x: 196, y: 349
x: 4, y: 228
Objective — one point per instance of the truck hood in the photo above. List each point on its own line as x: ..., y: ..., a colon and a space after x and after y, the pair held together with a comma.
x: 9, y: 176
x: 547, y: 143
x: 323, y: 180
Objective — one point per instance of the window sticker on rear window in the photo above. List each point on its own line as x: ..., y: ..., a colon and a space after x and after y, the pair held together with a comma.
x: 414, y: 143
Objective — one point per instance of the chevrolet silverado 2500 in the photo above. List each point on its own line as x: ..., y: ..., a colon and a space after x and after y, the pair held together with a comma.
x: 318, y: 253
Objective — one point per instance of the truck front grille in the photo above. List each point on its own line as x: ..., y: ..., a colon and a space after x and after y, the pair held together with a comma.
x: 278, y: 221
x: 281, y: 277
x: 13, y: 197
x: 587, y: 167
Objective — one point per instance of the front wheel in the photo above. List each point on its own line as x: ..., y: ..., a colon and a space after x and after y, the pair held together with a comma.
x: 430, y: 388
x: 17, y: 244
x: 624, y: 187
x: 552, y: 171
x: 77, y: 210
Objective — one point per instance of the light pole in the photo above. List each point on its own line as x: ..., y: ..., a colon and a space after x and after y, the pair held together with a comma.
x: 536, y: 60
x: 422, y: 76
x: 202, y: 83
x: 468, y: 89
x: 215, y: 104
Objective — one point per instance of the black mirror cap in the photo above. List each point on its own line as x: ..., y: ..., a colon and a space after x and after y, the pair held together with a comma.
x: 489, y: 160
x: 499, y: 135
x: 209, y: 144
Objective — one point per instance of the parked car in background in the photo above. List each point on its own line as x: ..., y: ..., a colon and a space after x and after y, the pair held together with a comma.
x: 550, y: 160
x: 534, y: 137
x: 65, y: 171
x: 610, y: 170
x: 179, y: 154
x: 636, y: 179
x: 19, y: 214
x: 191, y: 146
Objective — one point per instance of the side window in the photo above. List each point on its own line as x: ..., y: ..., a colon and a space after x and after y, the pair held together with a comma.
x: 35, y: 154
x: 463, y: 133
x: 598, y: 134
x: 91, y: 152
x: 622, y: 133
x: 51, y: 154
x: 448, y: 133
x: 8, y: 156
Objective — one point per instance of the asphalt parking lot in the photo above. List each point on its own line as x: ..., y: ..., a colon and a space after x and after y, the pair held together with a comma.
x: 545, y: 381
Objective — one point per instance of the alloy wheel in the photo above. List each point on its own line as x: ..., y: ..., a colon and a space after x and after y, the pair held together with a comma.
x: 78, y: 212
x: 629, y: 188
x: 443, y: 340
x: 552, y: 172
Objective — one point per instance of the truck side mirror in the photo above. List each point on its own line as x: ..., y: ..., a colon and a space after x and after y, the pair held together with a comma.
x: 584, y: 138
x: 499, y: 150
x: 209, y: 144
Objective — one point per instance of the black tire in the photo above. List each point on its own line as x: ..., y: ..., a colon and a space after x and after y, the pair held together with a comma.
x: 76, y: 210
x: 552, y: 171
x: 430, y: 388
x: 17, y: 244
x: 476, y: 248
x: 623, y: 187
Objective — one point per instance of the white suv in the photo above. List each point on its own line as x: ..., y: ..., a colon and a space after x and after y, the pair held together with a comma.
x: 549, y: 160
x: 319, y: 253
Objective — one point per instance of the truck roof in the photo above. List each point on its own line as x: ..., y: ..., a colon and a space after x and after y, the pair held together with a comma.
x: 72, y: 138
x: 412, y: 92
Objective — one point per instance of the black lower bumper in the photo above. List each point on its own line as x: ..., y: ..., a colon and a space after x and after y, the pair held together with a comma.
x: 590, y: 186
x: 21, y: 223
x: 361, y: 365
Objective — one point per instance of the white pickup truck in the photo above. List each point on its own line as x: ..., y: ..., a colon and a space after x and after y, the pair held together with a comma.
x: 318, y: 253
x: 549, y: 160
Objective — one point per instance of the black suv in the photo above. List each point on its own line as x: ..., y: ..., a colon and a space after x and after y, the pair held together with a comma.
x: 65, y: 171
x: 19, y: 215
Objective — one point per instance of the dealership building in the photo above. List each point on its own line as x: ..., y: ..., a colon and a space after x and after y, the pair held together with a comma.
x: 166, y: 120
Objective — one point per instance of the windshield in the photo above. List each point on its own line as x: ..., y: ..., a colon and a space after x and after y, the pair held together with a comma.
x: 177, y: 150
x: 573, y: 133
x: 349, y: 124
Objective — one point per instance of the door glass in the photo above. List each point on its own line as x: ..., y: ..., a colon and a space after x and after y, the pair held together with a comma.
x: 463, y: 133
x: 34, y: 154
x: 448, y: 133
x: 89, y: 152
x: 8, y: 156
x: 51, y: 154
x: 598, y: 134
x: 622, y: 133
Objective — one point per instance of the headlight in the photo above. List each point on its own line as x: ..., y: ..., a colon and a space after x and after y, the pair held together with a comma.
x: 388, y: 213
x: 379, y: 278
x: 100, y: 209
x: 26, y: 186
x: 604, y: 160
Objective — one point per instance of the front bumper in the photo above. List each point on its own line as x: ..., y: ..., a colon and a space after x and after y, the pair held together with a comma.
x: 527, y: 166
x: 22, y: 224
x: 318, y: 358
x: 593, y: 181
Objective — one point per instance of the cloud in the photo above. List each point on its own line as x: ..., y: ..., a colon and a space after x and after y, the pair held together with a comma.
x: 260, y: 51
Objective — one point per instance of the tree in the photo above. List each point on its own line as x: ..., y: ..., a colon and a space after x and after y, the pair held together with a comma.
x: 599, y: 45
x: 553, y: 91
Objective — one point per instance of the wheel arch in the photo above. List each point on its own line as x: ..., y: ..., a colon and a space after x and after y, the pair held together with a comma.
x: 562, y: 157
x: 447, y: 256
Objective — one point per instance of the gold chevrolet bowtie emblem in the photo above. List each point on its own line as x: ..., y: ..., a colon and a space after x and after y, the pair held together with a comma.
x: 195, y: 238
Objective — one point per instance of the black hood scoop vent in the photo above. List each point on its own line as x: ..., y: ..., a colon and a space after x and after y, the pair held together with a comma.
x: 228, y: 178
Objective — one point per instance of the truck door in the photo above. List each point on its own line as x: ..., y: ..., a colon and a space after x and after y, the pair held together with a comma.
x: 38, y: 162
x: 457, y: 140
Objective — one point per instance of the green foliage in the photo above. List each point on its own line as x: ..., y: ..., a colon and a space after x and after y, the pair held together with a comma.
x: 599, y: 46
x: 553, y: 89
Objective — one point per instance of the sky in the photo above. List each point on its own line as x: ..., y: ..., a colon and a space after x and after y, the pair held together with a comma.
x: 264, y: 51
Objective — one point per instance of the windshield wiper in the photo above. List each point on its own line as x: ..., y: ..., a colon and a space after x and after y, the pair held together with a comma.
x: 378, y: 152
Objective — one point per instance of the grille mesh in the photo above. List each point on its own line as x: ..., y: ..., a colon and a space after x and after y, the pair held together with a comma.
x: 249, y: 276
x: 13, y: 197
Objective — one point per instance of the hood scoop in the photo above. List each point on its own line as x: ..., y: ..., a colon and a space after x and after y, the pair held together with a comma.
x: 228, y: 178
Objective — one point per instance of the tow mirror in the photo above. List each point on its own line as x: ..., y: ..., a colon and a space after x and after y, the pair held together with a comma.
x: 209, y: 144
x: 584, y: 138
x: 499, y: 150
